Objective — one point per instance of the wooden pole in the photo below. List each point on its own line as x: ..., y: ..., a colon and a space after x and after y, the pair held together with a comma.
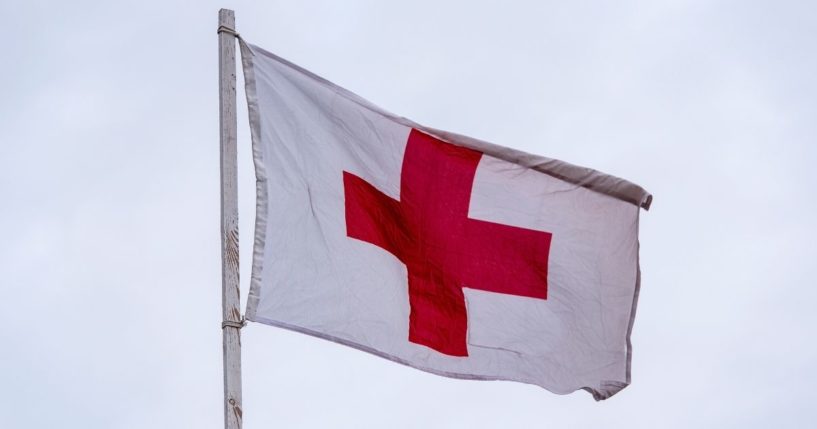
x: 230, y: 301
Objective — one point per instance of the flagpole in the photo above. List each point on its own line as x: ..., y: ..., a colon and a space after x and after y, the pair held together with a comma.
x: 230, y: 301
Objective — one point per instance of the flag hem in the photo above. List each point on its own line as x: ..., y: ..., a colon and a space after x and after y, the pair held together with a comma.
x: 636, y: 292
x: 261, y: 193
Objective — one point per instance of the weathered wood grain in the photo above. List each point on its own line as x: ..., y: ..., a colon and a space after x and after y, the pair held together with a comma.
x: 230, y: 302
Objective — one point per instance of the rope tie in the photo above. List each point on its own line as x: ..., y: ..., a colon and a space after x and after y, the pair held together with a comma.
x: 228, y: 30
x: 234, y: 324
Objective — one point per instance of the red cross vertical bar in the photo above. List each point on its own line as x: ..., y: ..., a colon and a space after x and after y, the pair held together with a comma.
x: 428, y: 229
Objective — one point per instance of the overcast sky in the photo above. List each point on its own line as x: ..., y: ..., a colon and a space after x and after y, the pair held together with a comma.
x: 109, y: 203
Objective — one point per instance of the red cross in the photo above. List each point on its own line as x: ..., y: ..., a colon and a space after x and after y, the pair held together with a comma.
x: 444, y: 251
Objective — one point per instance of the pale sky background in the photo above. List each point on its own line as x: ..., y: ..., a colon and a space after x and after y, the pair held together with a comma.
x: 110, y: 257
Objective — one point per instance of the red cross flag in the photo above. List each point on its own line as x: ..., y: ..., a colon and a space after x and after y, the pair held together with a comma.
x: 435, y: 250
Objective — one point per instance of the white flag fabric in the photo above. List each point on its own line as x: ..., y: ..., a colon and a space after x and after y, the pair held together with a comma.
x: 435, y: 250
